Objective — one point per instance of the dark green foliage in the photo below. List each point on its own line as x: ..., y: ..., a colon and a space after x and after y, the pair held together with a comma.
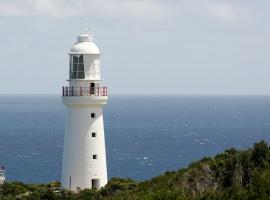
x: 117, y: 185
x: 42, y: 193
x: 88, y: 194
x: 14, y: 188
x: 232, y: 175
x: 261, y: 155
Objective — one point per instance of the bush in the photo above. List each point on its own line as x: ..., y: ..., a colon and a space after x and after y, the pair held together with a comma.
x: 232, y: 175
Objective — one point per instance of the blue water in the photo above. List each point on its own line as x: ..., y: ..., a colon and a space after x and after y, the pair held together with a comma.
x: 145, y: 135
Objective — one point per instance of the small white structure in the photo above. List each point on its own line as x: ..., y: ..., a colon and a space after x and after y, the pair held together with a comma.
x: 84, y: 158
x: 2, y: 175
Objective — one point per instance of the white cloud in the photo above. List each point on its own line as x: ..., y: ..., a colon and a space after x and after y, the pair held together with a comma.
x: 148, y: 9
x: 53, y: 8
x: 9, y: 9
x: 36, y: 8
x: 145, y: 10
x: 223, y: 11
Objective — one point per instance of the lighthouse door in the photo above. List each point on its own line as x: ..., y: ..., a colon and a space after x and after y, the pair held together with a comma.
x: 92, y: 88
x: 95, y: 183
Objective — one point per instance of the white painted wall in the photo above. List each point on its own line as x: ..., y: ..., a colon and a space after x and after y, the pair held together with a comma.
x: 92, y: 66
x: 79, y: 145
x: 2, y: 176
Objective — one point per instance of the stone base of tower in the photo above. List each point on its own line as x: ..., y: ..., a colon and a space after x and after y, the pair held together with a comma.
x: 84, y: 159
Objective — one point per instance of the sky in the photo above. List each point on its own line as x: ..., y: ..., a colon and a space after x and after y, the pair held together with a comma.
x: 186, y: 47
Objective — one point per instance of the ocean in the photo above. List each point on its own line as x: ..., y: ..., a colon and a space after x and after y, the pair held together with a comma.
x: 145, y: 135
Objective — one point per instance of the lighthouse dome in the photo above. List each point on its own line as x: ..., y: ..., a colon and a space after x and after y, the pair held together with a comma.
x: 84, y: 45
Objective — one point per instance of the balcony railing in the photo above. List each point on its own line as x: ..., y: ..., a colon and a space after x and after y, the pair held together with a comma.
x: 84, y: 91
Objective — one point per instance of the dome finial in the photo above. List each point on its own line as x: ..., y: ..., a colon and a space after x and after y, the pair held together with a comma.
x: 85, y: 30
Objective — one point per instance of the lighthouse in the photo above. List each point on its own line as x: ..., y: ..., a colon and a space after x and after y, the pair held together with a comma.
x: 84, y: 156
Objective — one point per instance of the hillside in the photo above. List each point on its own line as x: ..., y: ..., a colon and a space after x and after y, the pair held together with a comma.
x: 230, y: 175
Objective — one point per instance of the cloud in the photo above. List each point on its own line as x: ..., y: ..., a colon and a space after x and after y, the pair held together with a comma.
x: 9, y: 9
x: 37, y: 8
x: 50, y: 8
x: 222, y: 11
x: 146, y: 10
x: 60, y: 9
x: 121, y: 9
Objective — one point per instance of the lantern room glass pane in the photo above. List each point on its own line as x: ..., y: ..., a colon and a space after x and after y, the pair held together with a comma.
x: 81, y: 75
x: 80, y: 67
x: 75, y: 59
x: 76, y: 67
x: 81, y: 59
x: 70, y: 66
x: 73, y: 75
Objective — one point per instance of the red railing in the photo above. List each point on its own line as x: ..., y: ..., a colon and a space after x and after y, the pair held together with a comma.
x: 84, y: 91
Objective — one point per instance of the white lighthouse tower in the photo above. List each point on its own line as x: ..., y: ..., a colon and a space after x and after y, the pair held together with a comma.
x: 84, y: 158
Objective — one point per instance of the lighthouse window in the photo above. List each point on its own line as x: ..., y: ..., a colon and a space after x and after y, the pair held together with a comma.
x: 95, y: 156
x: 93, y: 115
x: 77, y: 67
x: 94, y: 134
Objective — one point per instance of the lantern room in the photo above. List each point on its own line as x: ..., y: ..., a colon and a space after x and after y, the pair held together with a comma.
x: 84, y: 69
x: 84, y: 60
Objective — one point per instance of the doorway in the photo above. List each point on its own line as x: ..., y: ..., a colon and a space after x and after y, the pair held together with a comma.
x: 92, y: 88
x: 95, y: 183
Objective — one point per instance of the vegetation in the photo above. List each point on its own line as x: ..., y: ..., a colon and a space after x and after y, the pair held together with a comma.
x: 232, y: 175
